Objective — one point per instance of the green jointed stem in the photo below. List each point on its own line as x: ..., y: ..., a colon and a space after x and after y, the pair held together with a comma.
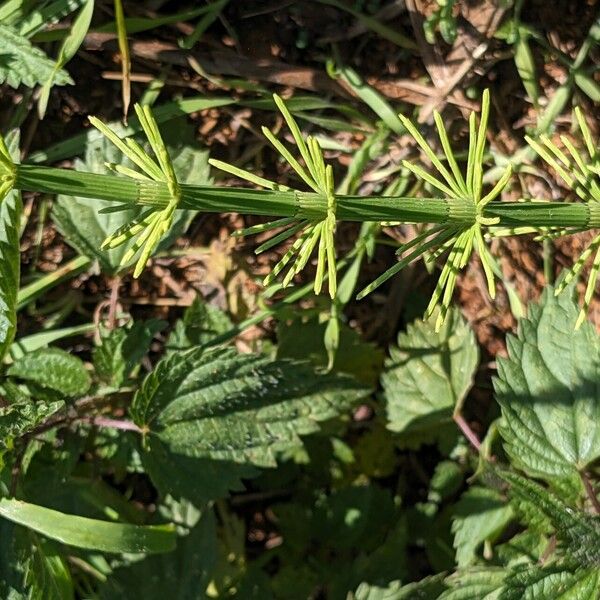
x: 463, y: 218
x: 303, y: 205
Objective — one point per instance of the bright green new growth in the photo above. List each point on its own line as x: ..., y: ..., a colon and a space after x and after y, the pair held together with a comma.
x: 580, y: 173
x: 319, y: 178
x: 7, y: 170
x: 154, y: 223
x: 466, y: 204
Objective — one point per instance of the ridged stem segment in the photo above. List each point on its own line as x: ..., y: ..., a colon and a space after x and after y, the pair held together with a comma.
x: 302, y: 205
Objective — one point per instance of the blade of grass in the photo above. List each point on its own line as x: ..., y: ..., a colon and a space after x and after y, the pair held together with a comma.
x: 370, y: 96
x: 31, y: 291
x: 213, y: 12
x: 83, y: 532
x: 125, y: 57
x: 67, y: 51
x: 374, y: 25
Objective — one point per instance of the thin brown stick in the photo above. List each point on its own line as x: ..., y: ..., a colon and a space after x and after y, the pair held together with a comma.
x: 467, y: 431
x: 121, y: 424
x: 589, y: 490
x: 549, y: 551
x: 115, y: 284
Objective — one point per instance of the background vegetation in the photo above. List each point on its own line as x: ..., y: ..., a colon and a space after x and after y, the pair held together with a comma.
x: 196, y: 432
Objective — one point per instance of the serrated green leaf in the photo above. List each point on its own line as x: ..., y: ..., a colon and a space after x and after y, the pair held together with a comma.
x: 428, y: 588
x: 82, y: 532
x: 547, y: 389
x: 20, y: 418
x: 201, y: 323
x: 478, y: 583
x: 243, y: 408
x: 53, y: 369
x: 366, y: 591
x: 11, y: 209
x: 197, y: 479
x: 356, y: 515
x: 302, y: 339
x: 121, y: 350
x: 552, y: 583
x: 525, y: 547
x: 183, y: 574
x: 23, y: 63
x: 446, y: 480
x: 428, y: 374
x: 579, y: 531
x: 85, y: 227
x: 31, y: 568
x: 481, y: 514
x: 47, y: 575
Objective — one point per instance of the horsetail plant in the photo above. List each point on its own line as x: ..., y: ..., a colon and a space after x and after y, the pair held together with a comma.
x: 466, y: 204
x: 151, y: 225
x: 318, y: 230
x: 580, y: 173
x: 462, y: 216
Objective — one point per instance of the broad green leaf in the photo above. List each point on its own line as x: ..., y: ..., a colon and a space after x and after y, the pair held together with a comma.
x: 241, y: 407
x: 525, y: 547
x: 366, y: 591
x: 121, y: 350
x: 577, y: 530
x: 85, y: 227
x: 446, y: 480
x: 11, y: 209
x: 428, y: 588
x: 21, y: 417
x: 548, y: 391
x: 201, y: 323
x: 481, y: 514
x: 478, y: 583
x: 198, y: 479
x: 302, y: 339
x: 47, y: 575
x: 31, y: 567
x: 53, y: 369
x: 428, y: 375
x: 355, y: 515
x: 82, y: 532
x: 233, y: 410
x: 552, y: 583
x: 23, y: 63
x: 183, y: 574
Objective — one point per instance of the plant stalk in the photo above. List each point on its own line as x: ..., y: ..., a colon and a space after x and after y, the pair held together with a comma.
x: 302, y: 205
